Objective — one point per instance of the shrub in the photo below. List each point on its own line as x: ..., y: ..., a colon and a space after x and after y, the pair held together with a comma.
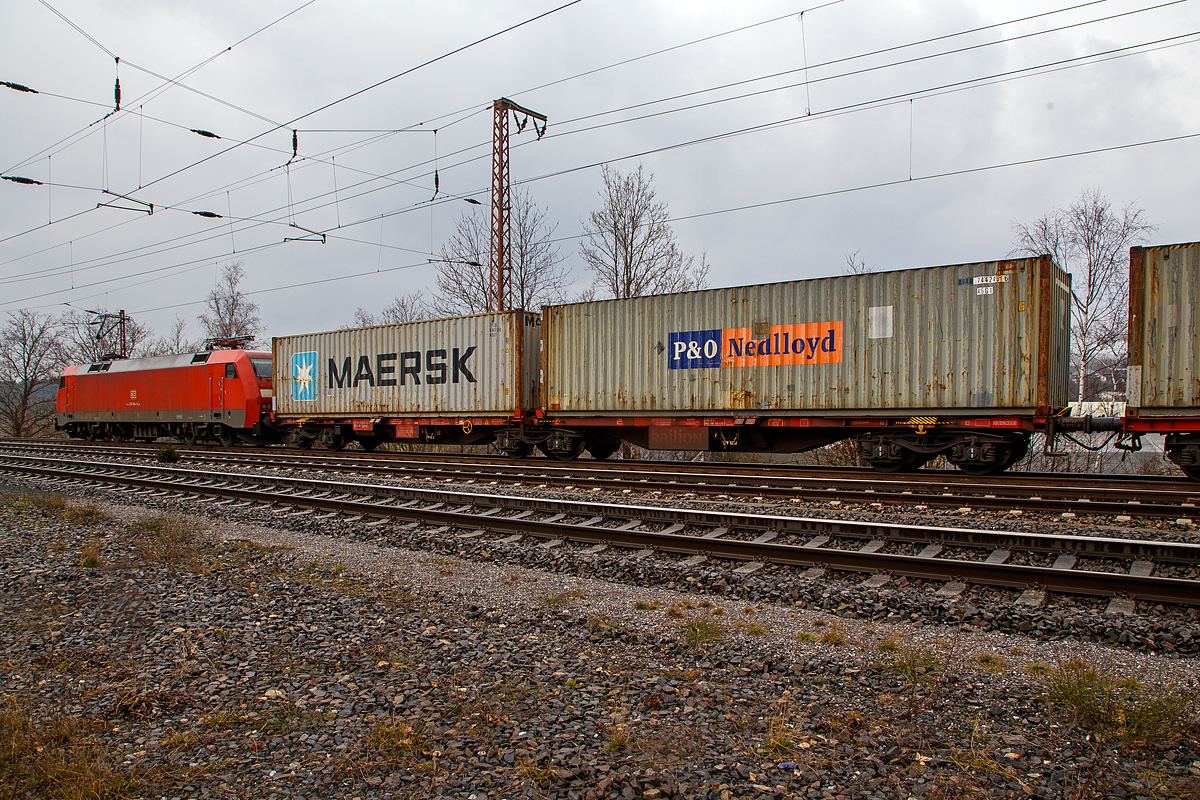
x: 911, y: 663
x: 701, y: 630
x: 1134, y: 711
x: 167, y: 454
x: 991, y: 662
x: 834, y: 636
x: 86, y: 514
x: 90, y: 559
x: 167, y: 539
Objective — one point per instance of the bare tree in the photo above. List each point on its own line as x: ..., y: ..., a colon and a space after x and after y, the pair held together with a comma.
x: 463, y: 274
x: 173, y: 342
x: 856, y: 264
x: 1090, y: 239
x: 230, y: 313
x: 88, y: 339
x: 403, y: 308
x: 630, y: 246
x: 30, y: 360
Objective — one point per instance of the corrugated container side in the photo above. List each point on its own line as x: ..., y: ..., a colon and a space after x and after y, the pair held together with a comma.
x: 988, y: 335
x: 461, y: 365
x: 1164, y: 338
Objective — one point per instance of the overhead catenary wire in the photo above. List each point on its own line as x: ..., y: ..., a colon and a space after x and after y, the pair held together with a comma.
x: 371, y: 87
x: 167, y: 82
x: 699, y: 215
x: 883, y: 50
x: 813, y: 196
x: 541, y: 177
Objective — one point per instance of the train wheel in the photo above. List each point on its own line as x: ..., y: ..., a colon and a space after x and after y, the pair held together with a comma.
x: 296, y: 440
x: 118, y: 433
x: 518, y: 450
x: 189, y: 434
x: 226, y: 436
x: 89, y: 433
x: 332, y: 441
x: 568, y: 453
x: 1191, y: 472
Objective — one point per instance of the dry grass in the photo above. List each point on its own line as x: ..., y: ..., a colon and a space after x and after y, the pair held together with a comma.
x: 562, y: 598
x: 991, y: 662
x: 86, y: 514
x: 912, y: 664
x: 1122, y: 706
x: 645, y: 605
x: 602, y: 625
x: 835, y: 636
x: 754, y: 629
x: 542, y: 777
x: 55, y: 757
x: 90, y: 557
x: 54, y: 503
x: 168, y: 540
x: 781, y: 739
x: 397, y: 741
x: 698, y: 631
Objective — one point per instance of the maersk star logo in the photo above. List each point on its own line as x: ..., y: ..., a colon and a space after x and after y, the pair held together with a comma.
x: 304, y: 376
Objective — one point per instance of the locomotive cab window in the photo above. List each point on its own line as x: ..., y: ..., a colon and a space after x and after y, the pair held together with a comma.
x: 262, y: 367
x: 230, y: 371
x: 62, y: 381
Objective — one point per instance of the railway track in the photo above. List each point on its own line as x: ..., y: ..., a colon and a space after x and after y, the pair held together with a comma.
x: 1124, y: 496
x: 1115, y: 567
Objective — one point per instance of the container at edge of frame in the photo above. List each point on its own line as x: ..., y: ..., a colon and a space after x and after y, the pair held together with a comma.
x: 1164, y: 334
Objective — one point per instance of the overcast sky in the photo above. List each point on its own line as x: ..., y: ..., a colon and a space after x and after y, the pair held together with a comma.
x: 834, y: 155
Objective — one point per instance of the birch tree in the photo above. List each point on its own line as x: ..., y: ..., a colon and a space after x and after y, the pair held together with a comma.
x: 1091, y: 240
x: 629, y: 245
x: 230, y: 313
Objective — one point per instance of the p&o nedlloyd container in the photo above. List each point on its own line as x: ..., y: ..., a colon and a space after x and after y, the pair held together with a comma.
x: 953, y: 341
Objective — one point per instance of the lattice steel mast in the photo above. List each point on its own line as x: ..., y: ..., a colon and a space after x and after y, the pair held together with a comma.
x: 499, y: 295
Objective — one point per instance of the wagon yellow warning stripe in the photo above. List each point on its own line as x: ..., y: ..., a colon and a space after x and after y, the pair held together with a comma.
x: 921, y: 422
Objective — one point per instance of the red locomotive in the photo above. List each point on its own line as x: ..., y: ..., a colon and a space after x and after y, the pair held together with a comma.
x: 222, y: 395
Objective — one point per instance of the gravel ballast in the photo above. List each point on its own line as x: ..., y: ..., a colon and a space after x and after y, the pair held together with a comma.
x: 226, y: 657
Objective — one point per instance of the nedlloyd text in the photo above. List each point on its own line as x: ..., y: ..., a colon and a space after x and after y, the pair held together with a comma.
x: 803, y: 343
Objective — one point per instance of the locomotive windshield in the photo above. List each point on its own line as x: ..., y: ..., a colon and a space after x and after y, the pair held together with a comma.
x: 262, y: 367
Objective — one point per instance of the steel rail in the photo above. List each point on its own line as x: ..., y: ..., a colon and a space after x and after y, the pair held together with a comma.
x: 450, y: 461
x: 1145, y: 587
x: 1008, y: 495
x: 754, y: 523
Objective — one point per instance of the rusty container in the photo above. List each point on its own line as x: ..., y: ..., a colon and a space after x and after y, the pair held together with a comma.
x: 940, y: 340
x: 1164, y: 334
x: 486, y: 363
